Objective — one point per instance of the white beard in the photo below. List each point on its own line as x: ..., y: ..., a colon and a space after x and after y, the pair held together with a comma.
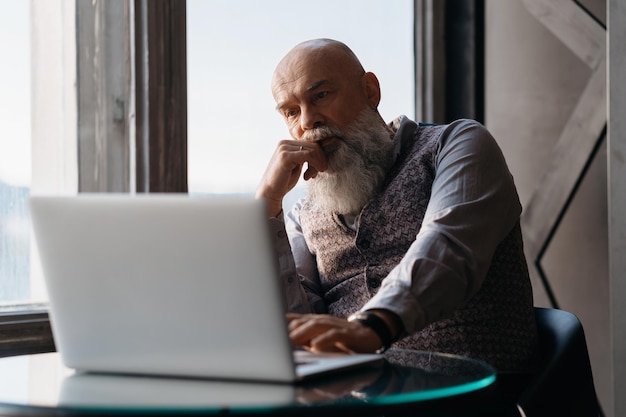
x: 356, y: 167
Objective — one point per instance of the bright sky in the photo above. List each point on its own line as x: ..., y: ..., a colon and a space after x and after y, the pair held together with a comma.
x: 15, y: 93
x: 233, y: 47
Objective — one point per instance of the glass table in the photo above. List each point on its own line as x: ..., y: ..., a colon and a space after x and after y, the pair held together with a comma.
x: 40, y: 384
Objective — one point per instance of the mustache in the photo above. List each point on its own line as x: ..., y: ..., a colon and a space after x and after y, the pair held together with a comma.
x: 322, y: 133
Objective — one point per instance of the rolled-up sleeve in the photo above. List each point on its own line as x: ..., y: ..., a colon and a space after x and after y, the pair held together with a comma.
x: 473, y: 206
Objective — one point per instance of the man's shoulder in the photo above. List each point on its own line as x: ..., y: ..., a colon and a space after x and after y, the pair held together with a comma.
x: 453, y: 125
x: 422, y: 141
x: 450, y: 133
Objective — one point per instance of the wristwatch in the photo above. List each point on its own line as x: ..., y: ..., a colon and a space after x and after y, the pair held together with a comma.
x: 378, y: 325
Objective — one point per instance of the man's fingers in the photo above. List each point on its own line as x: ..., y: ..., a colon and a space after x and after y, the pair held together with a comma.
x: 293, y: 316
x: 310, y: 172
x: 333, y: 340
x: 284, y: 170
x: 302, y: 329
x: 324, y: 333
x: 315, y: 158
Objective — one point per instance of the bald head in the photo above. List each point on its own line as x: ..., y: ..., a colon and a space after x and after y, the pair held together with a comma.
x: 327, y: 53
x: 321, y: 82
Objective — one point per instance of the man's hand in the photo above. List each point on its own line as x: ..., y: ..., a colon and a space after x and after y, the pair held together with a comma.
x: 284, y: 168
x: 325, y: 333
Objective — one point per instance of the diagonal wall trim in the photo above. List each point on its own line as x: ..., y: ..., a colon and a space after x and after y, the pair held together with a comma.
x: 569, y: 157
x: 573, y: 26
x: 578, y: 141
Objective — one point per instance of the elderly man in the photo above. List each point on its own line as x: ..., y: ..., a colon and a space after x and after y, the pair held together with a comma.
x: 409, y: 234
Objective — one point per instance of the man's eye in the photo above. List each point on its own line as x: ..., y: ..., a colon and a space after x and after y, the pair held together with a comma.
x: 321, y: 94
x: 291, y: 113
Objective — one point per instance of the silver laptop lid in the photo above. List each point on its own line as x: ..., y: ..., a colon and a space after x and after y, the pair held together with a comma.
x: 163, y: 284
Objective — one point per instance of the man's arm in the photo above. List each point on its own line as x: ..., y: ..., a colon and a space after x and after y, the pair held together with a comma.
x: 295, y: 296
x: 281, y: 176
x: 473, y: 206
x: 305, y: 262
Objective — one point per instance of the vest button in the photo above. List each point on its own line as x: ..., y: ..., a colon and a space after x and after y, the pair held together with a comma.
x: 281, y: 234
x: 373, y: 283
x: 365, y: 244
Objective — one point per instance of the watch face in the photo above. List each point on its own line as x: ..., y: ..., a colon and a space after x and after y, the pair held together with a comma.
x: 358, y: 316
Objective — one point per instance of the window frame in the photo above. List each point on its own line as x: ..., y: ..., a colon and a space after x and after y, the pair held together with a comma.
x: 123, y: 144
x: 25, y: 330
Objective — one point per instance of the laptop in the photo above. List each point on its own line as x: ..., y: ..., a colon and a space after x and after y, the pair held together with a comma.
x: 172, y: 285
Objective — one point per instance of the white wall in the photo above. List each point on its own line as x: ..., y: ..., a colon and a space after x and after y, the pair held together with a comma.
x: 533, y: 82
x: 53, y: 110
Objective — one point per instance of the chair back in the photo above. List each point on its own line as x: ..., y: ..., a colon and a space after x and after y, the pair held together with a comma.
x: 563, y: 385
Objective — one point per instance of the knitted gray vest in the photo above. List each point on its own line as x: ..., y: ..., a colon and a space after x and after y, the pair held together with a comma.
x: 496, y: 325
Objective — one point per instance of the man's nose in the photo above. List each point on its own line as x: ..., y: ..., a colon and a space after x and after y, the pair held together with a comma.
x: 310, y: 119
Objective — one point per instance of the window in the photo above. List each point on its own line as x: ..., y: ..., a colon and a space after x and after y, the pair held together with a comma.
x: 233, y: 48
x: 15, y: 164
x: 24, y: 323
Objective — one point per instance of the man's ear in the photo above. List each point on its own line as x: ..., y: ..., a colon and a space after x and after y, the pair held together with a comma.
x: 372, y: 89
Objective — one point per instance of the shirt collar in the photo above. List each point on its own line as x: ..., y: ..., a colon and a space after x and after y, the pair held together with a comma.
x: 403, y: 128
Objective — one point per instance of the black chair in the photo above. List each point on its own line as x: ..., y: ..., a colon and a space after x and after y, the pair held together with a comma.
x: 564, y: 384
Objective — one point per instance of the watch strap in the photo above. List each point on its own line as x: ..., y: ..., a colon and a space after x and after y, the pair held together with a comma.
x: 377, y: 324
